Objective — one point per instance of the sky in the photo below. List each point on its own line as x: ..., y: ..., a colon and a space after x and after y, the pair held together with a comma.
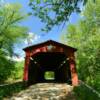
x: 34, y: 25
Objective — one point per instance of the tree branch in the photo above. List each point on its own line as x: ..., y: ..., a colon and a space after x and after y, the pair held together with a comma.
x: 52, y: 4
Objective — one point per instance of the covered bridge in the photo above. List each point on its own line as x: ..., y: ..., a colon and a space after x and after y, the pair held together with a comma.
x: 50, y: 56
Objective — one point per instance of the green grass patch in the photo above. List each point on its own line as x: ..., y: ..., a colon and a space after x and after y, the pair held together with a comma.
x: 84, y: 93
x: 10, y: 89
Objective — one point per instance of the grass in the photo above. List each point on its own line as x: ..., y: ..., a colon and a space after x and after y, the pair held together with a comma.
x: 8, y: 90
x: 83, y: 93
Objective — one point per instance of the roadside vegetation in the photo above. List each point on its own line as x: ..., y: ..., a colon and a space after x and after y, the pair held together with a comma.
x: 84, y: 35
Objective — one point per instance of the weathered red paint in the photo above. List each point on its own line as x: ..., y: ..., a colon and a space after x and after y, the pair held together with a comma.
x: 58, y: 47
x: 27, y: 60
x: 74, y: 75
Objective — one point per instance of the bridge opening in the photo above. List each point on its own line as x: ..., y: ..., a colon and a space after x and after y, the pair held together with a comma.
x: 49, y: 67
x: 49, y: 75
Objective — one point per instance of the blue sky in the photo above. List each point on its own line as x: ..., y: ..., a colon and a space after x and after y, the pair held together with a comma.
x: 34, y: 24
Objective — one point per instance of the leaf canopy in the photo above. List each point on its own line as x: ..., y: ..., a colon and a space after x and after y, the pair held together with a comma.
x: 55, y: 12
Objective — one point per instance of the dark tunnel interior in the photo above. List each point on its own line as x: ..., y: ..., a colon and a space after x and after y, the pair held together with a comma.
x: 49, y: 61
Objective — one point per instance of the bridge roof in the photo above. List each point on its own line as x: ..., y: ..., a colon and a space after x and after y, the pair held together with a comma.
x: 49, y: 42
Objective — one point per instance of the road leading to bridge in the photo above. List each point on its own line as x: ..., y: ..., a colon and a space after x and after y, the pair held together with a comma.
x: 46, y: 91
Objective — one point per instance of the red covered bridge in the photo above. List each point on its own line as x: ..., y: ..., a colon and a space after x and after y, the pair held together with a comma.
x: 50, y: 56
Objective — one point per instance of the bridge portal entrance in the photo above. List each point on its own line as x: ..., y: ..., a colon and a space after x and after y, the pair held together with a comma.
x: 50, y: 61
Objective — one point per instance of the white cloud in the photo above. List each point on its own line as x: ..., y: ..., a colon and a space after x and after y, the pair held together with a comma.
x: 18, y: 59
x: 15, y: 58
x: 31, y: 38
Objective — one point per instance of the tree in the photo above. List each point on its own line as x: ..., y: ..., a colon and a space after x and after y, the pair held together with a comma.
x: 85, y: 36
x: 55, y: 12
x: 11, y: 32
x: 18, y: 72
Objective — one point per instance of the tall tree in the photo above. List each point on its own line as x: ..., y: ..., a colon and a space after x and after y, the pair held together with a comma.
x: 11, y: 32
x: 85, y: 36
x: 55, y: 12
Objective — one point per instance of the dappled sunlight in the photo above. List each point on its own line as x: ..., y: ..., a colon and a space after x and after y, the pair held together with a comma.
x: 46, y: 91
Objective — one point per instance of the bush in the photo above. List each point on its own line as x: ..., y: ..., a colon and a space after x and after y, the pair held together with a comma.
x: 10, y: 89
x: 6, y: 68
x: 84, y: 93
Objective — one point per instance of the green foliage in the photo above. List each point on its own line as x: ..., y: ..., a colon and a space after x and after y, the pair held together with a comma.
x: 85, y: 36
x: 49, y: 75
x: 10, y: 33
x: 18, y: 72
x: 83, y: 93
x: 10, y: 30
x: 5, y: 68
x: 54, y: 12
x: 10, y: 89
